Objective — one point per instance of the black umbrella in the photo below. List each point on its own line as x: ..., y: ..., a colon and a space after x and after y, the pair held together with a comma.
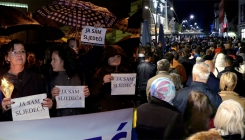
x: 13, y: 20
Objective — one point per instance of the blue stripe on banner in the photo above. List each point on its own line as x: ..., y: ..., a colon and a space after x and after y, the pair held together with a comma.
x: 121, y: 126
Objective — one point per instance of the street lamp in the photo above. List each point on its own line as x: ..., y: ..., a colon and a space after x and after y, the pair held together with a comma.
x: 171, y: 8
x: 195, y: 23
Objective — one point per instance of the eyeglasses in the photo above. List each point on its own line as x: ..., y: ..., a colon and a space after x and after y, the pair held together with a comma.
x: 15, y: 53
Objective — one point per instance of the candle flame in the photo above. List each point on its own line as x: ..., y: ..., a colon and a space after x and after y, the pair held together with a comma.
x: 4, y: 82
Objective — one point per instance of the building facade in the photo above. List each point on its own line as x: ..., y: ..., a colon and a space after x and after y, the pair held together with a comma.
x: 241, y: 18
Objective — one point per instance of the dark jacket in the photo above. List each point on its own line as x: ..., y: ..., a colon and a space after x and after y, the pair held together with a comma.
x: 145, y: 71
x: 26, y: 83
x: 62, y: 79
x: 240, y: 83
x: 101, y: 93
x: 233, y: 137
x: 182, y: 95
x: 188, y: 64
x: 213, y: 83
x: 159, y: 120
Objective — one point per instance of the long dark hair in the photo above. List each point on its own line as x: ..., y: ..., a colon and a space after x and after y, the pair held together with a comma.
x: 68, y: 56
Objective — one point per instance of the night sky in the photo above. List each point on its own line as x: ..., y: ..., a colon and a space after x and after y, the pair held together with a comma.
x: 203, y: 11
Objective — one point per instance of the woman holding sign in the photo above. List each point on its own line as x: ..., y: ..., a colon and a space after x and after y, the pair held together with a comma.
x: 64, y: 74
x: 25, y: 82
x: 114, y: 60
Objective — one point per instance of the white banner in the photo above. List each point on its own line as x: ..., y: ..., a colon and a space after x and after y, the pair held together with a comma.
x: 92, y: 35
x: 123, y: 84
x: 70, y: 97
x: 29, y: 108
x: 112, y: 125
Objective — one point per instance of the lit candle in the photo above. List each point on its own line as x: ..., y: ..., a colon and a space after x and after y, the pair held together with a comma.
x: 7, y: 88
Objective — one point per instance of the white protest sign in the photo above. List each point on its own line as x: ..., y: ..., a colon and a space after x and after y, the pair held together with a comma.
x: 123, y: 84
x: 29, y: 108
x: 70, y: 97
x: 92, y: 35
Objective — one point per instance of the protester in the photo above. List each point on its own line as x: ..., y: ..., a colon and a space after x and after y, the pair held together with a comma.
x: 114, y: 61
x: 25, y: 82
x: 176, y: 80
x: 162, y: 71
x: 65, y: 74
x: 213, y: 82
x: 200, y: 75
x: 179, y: 67
x: 228, y: 83
x: 159, y: 119
x: 229, y: 67
x: 198, y: 113
x: 219, y: 63
x: 145, y: 71
x: 186, y: 62
x: 229, y: 120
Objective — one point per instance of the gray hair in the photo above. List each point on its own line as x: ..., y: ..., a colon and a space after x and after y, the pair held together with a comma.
x: 199, y: 60
x: 201, y: 70
x: 163, y: 65
x: 176, y: 80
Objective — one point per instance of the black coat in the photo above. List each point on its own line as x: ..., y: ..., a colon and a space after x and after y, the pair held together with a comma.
x: 101, y: 93
x: 145, y: 71
x: 240, y: 83
x: 27, y: 83
x: 182, y: 95
x: 188, y: 64
x: 159, y: 120
x: 213, y: 83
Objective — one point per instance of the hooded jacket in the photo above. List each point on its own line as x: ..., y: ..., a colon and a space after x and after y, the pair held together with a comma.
x: 101, y: 92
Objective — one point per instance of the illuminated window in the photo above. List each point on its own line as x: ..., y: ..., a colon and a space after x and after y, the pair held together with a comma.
x: 243, y: 33
x: 12, y: 4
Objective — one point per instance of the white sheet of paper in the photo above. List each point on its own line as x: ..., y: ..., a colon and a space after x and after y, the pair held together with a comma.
x: 29, y: 108
x: 93, y: 35
x: 70, y: 97
x: 123, y: 84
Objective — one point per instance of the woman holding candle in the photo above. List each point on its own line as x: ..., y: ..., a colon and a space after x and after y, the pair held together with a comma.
x: 65, y: 74
x: 25, y: 82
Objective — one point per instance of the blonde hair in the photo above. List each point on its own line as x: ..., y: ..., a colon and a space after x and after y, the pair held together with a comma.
x: 230, y: 118
x: 228, y: 81
x: 206, y: 135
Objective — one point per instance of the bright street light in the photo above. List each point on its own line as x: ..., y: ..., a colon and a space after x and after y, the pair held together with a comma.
x: 191, y: 25
x: 171, y: 8
x: 191, y: 16
x: 146, y: 7
x: 195, y: 23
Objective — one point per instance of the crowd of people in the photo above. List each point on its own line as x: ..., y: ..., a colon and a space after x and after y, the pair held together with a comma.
x: 64, y: 64
x: 193, y: 90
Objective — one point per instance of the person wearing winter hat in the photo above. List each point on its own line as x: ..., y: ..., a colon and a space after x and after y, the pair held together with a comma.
x: 150, y: 123
x: 114, y: 61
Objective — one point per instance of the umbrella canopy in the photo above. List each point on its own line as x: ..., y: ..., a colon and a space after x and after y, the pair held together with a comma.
x: 122, y: 25
x: 13, y: 20
x: 78, y: 13
x: 41, y: 33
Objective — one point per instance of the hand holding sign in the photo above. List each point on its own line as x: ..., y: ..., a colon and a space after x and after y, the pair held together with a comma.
x: 107, y: 78
x: 86, y: 91
x: 6, y: 104
x: 47, y: 103
x: 55, y: 92
x: 123, y: 84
